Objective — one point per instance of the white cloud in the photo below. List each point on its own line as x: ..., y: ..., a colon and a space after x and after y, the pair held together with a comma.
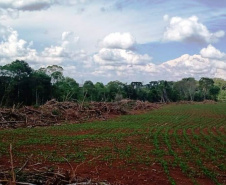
x: 109, y: 64
x: 119, y: 41
x: 114, y: 57
x: 166, y: 17
x: 65, y: 54
x: 124, y: 64
x: 69, y: 40
x: 70, y: 2
x: 12, y: 48
x: 116, y: 51
x: 185, y: 66
x: 190, y: 29
x: 53, y: 51
x: 59, y: 18
x: 218, y: 59
x: 116, y: 60
x: 8, y: 13
x: 67, y: 51
x: 67, y: 35
x: 212, y: 52
x: 192, y: 66
x: 126, y: 73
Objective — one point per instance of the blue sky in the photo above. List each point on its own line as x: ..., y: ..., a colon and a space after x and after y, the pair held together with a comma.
x: 126, y: 40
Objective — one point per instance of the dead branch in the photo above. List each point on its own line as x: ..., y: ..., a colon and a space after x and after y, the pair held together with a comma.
x: 25, y: 164
x: 86, y: 162
x: 72, y: 172
x: 12, y: 167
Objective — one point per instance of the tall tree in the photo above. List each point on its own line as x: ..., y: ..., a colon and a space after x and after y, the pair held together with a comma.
x: 186, y: 88
x: 221, y: 83
x: 136, y: 85
x: 89, y: 90
x: 40, y: 84
x: 17, y: 74
x: 100, y: 92
x: 18, y: 69
x: 55, y: 72
x: 214, y: 91
x: 66, y: 90
x: 115, y: 88
x: 205, y: 85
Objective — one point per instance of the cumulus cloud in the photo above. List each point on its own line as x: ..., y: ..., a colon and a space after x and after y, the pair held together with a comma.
x: 190, y: 29
x: 12, y: 48
x: 117, y: 51
x: 117, y: 57
x: 195, y: 66
x: 218, y: 59
x: 66, y: 52
x: 109, y: 63
x: 185, y: 66
x: 120, y: 62
x: 212, y: 52
x: 119, y: 41
x: 66, y: 49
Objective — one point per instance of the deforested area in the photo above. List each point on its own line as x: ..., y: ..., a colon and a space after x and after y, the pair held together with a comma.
x: 57, y: 113
x: 56, y: 131
x: 120, y: 92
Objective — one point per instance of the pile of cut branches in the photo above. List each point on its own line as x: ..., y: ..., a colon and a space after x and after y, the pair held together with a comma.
x: 38, y: 174
x: 55, y: 113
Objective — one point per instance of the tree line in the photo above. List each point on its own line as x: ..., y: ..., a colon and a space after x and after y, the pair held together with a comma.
x: 22, y: 85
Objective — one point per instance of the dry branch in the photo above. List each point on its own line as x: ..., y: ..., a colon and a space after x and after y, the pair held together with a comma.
x: 55, y: 113
x: 12, y: 167
x: 25, y: 164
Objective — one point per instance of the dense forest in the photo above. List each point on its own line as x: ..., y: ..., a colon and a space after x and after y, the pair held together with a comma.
x: 22, y: 85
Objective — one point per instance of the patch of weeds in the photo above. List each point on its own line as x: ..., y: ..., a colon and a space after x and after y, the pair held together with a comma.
x: 222, y: 167
x: 158, y: 152
x: 79, y: 156
x: 108, y: 157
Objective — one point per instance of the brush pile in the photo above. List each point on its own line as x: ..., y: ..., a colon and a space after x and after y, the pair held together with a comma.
x: 38, y: 175
x: 56, y: 113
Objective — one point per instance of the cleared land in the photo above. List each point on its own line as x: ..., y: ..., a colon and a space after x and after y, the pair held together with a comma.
x: 176, y: 144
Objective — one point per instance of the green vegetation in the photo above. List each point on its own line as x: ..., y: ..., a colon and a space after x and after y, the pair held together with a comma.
x: 22, y: 85
x: 222, y: 85
x: 190, y: 138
